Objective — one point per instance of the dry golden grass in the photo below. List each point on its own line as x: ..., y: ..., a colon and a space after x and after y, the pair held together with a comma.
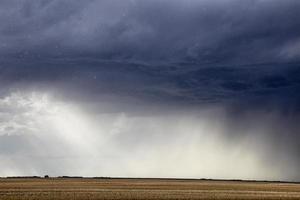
x: 92, y: 189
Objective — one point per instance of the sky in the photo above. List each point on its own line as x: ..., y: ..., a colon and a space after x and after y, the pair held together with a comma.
x: 150, y: 88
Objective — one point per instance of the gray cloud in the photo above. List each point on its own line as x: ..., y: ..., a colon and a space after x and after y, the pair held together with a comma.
x: 201, y: 31
x: 245, y: 85
x: 251, y: 145
x: 191, y: 51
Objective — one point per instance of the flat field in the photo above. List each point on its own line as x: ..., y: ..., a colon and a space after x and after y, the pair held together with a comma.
x: 90, y: 189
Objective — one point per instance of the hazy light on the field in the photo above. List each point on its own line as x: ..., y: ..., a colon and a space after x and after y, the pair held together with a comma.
x: 64, y: 139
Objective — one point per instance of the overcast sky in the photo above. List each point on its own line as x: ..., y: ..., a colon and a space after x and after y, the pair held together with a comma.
x: 150, y: 88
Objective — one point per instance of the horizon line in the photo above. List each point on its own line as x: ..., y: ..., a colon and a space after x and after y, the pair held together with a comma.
x: 149, y: 178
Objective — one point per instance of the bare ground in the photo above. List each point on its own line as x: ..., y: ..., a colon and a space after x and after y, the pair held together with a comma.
x: 92, y: 189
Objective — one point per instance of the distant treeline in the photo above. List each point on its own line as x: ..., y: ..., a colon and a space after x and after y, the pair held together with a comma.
x: 23, y: 177
x: 46, y: 176
x: 180, y: 179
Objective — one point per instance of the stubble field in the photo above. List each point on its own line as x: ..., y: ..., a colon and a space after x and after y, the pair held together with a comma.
x: 121, y: 189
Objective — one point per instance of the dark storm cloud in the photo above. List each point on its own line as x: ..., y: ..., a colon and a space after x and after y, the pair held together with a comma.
x: 189, y: 51
x: 263, y: 86
x: 202, y: 31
